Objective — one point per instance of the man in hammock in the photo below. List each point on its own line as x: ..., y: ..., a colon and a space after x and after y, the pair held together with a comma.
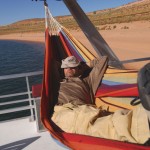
x: 75, y: 112
x: 80, y: 85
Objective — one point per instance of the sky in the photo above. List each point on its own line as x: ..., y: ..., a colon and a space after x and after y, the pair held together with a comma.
x: 16, y: 10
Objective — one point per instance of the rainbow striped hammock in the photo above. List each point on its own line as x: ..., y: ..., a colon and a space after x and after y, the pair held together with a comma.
x: 118, y: 88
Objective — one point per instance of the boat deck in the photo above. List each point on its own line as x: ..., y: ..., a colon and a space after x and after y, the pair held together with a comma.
x: 22, y: 134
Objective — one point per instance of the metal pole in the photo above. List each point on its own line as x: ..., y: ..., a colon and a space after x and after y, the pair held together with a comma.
x: 29, y: 96
x: 97, y: 41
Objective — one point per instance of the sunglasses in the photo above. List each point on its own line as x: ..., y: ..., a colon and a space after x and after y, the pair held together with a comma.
x: 71, y: 68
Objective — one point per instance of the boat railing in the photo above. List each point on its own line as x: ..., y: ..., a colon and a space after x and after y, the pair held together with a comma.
x: 28, y: 93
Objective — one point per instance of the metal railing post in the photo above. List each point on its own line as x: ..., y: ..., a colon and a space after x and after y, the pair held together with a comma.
x: 30, y: 101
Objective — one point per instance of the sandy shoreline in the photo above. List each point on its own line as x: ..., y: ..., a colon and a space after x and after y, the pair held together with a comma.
x: 130, y: 43
x: 35, y: 37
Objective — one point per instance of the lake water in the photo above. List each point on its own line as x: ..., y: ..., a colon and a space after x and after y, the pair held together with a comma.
x: 18, y: 57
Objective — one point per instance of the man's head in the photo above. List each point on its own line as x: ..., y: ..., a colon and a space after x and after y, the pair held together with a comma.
x: 71, y: 66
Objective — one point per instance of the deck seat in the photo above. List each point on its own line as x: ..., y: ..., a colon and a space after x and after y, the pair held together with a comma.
x: 36, y: 90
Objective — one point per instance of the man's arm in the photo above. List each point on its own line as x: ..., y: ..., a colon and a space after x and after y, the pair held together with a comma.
x: 99, y: 66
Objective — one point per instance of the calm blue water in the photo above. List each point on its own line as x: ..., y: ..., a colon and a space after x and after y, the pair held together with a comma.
x: 18, y: 57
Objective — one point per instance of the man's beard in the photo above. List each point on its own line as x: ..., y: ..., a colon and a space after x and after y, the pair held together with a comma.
x: 69, y: 74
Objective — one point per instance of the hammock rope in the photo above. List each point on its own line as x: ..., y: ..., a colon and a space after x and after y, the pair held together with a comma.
x: 51, y: 22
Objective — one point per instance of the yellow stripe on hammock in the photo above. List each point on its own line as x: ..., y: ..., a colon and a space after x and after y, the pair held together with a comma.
x: 112, y: 70
x: 122, y: 76
x: 115, y: 103
x: 81, y: 49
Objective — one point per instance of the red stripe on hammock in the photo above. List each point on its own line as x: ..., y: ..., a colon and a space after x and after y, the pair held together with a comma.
x: 64, y: 44
x: 71, y: 48
x: 84, y: 142
x: 125, y: 90
x: 103, y: 91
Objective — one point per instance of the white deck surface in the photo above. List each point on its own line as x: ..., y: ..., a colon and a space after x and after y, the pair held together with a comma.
x: 17, y: 130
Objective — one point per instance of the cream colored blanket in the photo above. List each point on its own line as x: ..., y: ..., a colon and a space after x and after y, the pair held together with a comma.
x: 123, y: 125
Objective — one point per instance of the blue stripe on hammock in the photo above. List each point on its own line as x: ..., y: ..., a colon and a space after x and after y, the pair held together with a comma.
x: 112, y: 82
x: 72, y: 47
